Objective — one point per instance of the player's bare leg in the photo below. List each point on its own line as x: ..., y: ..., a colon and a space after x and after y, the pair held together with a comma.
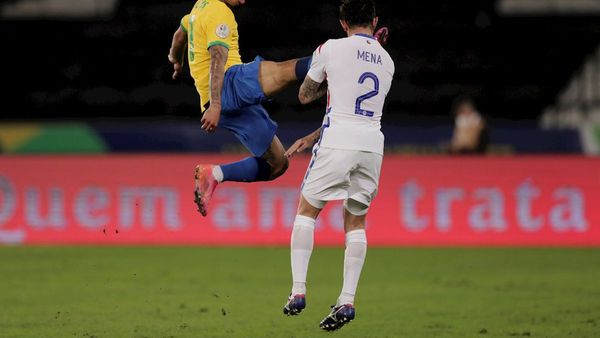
x: 301, y: 249
x: 276, y: 76
x: 307, y: 210
x: 354, y: 257
x: 275, y: 157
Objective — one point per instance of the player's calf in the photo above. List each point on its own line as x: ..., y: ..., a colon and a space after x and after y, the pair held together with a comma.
x: 279, y: 168
x: 252, y: 169
x: 275, y: 157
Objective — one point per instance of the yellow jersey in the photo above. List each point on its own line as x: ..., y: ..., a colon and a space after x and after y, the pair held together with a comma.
x: 210, y: 23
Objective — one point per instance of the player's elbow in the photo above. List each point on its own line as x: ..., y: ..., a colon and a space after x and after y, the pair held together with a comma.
x: 303, y: 98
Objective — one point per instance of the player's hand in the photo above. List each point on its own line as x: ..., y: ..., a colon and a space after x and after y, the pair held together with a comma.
x: 300, y: 146
x: 177, y: 67
x: 210, y: 119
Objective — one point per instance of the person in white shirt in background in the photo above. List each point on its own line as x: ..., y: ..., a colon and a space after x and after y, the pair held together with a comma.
x: 470, y: 130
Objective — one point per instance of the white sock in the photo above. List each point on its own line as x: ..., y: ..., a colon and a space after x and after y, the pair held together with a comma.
x: 217, y: 173
x: 354, y: 258
x: 301, y: 249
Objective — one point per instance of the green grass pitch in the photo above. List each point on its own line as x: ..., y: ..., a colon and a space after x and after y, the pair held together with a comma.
x: 239, y: 292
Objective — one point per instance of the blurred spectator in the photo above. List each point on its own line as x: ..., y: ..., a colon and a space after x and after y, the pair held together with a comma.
x: 470, y: 129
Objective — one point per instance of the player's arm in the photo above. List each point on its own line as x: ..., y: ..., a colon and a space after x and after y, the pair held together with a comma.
x: 218, y: 59
x: 311, y: 90
x: 218, y: 29
x: 304, y: 143
x: 177, y: 51
x: 315, y: 83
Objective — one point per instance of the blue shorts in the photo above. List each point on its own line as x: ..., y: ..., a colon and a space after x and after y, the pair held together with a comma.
x: 242, y: 112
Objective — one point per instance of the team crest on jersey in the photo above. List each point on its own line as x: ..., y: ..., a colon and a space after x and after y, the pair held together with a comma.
x: 223, y: 31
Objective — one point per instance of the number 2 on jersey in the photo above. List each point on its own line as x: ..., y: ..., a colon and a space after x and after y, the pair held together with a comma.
x: 371, y: 94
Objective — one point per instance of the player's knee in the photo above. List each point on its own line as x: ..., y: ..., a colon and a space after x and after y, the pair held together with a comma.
x: 310, y: 207
x: 279, y: 168
x: 352, y: 221
x: 355, y: 207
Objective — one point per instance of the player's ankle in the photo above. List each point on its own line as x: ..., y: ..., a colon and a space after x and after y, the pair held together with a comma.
x: 345, y: 298
x: 217, y: 173
x: 298, y: 288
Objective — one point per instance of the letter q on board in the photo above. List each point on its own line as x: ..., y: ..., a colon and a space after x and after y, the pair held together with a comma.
x: 223, y: 31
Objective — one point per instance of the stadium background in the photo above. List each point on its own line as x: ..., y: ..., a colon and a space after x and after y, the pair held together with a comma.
x: 98, y: 147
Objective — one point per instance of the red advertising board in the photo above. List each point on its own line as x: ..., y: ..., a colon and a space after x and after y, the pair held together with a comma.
x: 147, y: 199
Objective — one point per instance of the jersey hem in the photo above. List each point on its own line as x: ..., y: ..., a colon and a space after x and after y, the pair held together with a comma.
x: 183, y: 28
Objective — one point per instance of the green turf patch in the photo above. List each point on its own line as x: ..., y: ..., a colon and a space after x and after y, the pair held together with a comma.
x: 597, y: 134
x: 239, y: 292
x: 64, y: 138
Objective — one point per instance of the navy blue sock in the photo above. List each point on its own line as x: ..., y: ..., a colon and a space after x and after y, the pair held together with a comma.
x: 251, y: 169
x: 302, y: 67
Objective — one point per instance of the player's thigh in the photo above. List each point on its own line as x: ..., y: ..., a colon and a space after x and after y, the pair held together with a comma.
x: 364, y: 182
x: 327, y: 177
x: 276, y: 76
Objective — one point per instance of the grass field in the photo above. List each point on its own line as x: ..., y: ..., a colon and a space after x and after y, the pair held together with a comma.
x: 227, y: 292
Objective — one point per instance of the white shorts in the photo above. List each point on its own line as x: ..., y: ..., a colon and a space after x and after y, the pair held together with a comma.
x: 336, y: 174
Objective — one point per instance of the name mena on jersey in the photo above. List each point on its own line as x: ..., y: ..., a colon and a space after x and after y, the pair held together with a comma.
x: 369, y: 57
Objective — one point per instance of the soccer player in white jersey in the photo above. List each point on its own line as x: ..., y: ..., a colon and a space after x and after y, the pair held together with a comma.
x: 356, y: 73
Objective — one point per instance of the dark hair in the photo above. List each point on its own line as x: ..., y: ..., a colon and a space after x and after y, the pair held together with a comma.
x: 459, y: 101
x: 358, y: 12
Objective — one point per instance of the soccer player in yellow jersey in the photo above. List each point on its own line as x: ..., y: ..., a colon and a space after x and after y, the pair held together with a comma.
x: 231, y: 93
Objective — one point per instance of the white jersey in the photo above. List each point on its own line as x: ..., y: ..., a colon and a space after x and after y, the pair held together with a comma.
x: 359, y: 73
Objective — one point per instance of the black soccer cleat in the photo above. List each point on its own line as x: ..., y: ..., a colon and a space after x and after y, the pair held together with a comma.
x: 339, y: 316
x: 295, y: 305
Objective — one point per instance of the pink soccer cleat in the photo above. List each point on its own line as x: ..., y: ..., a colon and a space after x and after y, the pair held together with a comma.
x: 382, y: 35
x: 205, y: 186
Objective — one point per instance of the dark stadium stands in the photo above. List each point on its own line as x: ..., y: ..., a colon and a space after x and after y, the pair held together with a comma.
x: 514, y: 67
